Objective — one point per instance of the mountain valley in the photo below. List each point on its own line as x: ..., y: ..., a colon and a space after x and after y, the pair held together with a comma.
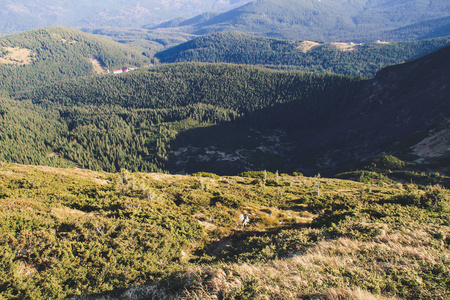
x: 269, y: 149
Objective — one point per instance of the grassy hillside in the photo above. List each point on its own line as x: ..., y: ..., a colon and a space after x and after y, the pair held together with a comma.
x: 77, y: 232
x: 340, y: 58
x: 35, y: 57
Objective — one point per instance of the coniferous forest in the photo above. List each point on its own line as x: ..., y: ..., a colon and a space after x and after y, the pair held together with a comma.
x: 352, y: 59
x: 128, y: 121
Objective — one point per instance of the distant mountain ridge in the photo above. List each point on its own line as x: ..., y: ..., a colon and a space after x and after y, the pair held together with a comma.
x: 339, y: 58
x: 21, y: 15
x: 419, y: 31
x: 327, y: 20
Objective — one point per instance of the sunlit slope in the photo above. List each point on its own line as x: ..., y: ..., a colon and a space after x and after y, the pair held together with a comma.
x: 41, y: 56
x: 72, y: 232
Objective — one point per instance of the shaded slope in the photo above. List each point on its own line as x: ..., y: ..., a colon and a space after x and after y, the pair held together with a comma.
x: 391, y: 113
x: 399, y: 102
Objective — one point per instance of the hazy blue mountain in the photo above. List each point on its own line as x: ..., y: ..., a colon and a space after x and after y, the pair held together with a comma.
x: 341, y: 20
x: 21, y: 15
x: 422, y: 30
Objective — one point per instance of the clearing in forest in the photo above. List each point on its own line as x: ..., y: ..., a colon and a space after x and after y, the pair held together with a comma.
x: 98, y: 68
x: 17, y: 56
x: 345, y: 46
x: 306, y: 46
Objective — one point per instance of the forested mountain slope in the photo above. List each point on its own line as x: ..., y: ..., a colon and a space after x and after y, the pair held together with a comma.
x: 341, y: 58
x: 129, y: 120
x: 236, y: 87
x: 329, y: 21
x: 230, y: 118
x: 403, y: 110
x: 35, y: 57
x: 419, y: 31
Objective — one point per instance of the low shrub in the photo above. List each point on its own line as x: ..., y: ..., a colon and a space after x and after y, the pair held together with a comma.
x: 206, y: 174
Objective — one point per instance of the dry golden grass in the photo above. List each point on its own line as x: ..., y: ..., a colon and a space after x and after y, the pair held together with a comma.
x: 345, y: 46
x: 349, y: 294
x: 94, y: 176
x: 306, y: 46
x: 18, y: 56
x: 316, y: 273
x: 65, y: 212
x: 98, y: 68
x: 23, y: 269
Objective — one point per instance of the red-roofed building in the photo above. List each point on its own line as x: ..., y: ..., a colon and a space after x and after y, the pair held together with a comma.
x: 123, y: 70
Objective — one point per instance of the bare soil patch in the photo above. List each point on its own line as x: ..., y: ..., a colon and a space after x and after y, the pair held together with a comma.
x: 69, y: 42
x: 435, y: 145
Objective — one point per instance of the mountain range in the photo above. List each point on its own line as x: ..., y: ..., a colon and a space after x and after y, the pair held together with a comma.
x: 16, y: 16
x: 325, y: 21
x: 320, y: 21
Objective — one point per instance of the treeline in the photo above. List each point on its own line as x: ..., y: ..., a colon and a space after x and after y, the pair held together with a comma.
x: 58, y: 53
x: 239, y: 48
